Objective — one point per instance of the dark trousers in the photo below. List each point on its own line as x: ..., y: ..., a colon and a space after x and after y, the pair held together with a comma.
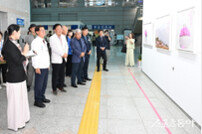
x: 40, y: 85
x: 58, y: 75
x: 3, y: 69
x: 69, y: 65
x: 85, y: 67
x: 76, y: 72
x: 104, y: 57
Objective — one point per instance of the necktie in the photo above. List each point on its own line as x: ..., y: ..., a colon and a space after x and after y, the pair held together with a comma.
x: 85, y: 38
x: 60, y: 40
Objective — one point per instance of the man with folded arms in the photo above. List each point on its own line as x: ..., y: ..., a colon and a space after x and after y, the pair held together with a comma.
x: 41, y: 64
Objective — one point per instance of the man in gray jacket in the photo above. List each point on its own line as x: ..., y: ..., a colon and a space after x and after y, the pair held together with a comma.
x: 30, y: 70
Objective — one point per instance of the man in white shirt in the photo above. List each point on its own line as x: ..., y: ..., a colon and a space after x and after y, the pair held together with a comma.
x: 41, y: 64
x: 59, y: 55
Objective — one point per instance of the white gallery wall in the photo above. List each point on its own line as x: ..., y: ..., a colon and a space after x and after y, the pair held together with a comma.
x: 176, y: 72
x: 10, y: 10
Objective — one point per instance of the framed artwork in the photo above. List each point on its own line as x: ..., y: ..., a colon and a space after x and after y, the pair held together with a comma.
x: 147, y: 34
x: 162, y: 32
x: 185, y: 30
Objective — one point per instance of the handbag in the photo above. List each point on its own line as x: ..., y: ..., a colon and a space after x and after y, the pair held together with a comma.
x: 123, y: 50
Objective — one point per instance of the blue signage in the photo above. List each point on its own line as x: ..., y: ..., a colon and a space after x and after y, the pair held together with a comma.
x: 20, y: 22
x: 74, y: 27
x: 45, y: 27
x: 97, y: 27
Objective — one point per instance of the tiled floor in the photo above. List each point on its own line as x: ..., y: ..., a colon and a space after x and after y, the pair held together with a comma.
x: 123, y: 107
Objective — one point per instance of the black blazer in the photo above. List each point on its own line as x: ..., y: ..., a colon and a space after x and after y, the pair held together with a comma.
x: 101, y: 43
x: 87, y: 43
x: 14, y: 60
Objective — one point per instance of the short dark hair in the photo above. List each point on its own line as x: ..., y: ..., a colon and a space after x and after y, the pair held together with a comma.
x: 70, y: 31
x: 1, y: 33
x: 56, y: 25
x: 32, y: 25
x: 85, y: 28
x: 38, y: 28
x: 100, y: 30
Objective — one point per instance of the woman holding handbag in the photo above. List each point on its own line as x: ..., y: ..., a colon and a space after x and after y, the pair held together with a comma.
x: 18, y: 107
x: 130, y: 45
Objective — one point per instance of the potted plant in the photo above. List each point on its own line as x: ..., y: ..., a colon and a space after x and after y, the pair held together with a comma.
x: 139, y: 60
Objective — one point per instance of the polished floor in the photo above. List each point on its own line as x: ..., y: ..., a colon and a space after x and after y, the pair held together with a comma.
x: 130, y: 103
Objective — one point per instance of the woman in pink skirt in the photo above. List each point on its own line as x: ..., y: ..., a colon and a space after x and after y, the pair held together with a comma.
x: 18, y: 107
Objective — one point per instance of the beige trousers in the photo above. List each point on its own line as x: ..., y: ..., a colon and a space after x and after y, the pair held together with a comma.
x: 129, y: 57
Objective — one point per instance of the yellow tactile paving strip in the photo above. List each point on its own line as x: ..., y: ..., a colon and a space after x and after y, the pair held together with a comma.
x: 89, y: 121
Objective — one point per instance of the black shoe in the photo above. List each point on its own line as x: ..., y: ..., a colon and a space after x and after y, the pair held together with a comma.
x: 106, y: 70
x: 39, y: 104
x: 55, y: 92
x: 75, y: 86
x: 88, y: 79
x: 98, y: 70
x: 83, y: 80
x: 81, y: 83
x: 28, y: 88
x: 64, y: 85
x: 62, y: 89
x: 46, y: 101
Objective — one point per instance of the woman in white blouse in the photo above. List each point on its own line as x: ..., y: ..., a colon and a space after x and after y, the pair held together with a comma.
x: 130, y: 45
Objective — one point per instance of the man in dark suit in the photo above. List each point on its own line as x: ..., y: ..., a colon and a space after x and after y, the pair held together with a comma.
x: 78, y: 58
x: 101, y: 44
x: 87, y: 54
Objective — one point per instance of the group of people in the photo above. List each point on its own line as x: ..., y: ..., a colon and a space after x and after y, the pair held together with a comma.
x: 68, y: 54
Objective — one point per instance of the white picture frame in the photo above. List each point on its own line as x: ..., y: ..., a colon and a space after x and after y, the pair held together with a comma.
x: 163, y: 33
x: 185, y: 30
x: 148, y: 34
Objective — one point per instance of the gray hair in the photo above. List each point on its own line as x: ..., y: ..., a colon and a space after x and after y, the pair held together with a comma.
x: 77, y: 31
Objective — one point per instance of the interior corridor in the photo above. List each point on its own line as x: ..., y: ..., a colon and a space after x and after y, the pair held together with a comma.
x: 130, y: 103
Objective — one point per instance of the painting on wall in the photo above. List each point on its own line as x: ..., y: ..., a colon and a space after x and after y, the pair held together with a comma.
x: 162, y: 32
x: 147, y: 34
x: 185, y: 30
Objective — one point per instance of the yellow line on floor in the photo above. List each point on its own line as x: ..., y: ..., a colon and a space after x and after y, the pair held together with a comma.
x: 89, y: 121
